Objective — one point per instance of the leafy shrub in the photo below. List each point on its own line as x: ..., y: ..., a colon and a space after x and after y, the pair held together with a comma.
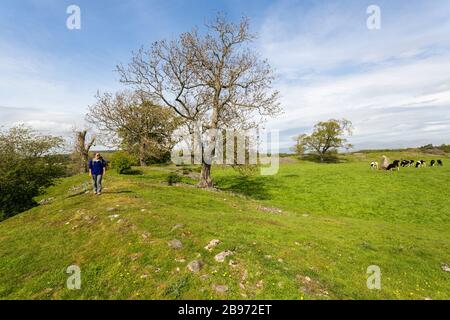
x: 122, y: 162
x: 173, y: 178
x: 27, y: 167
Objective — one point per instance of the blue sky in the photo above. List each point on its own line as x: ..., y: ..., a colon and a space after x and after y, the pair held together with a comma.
x: 393, y: 83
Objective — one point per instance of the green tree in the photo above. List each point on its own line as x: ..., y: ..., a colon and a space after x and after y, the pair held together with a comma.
x: 122, y: 161
x: 27, y: 166
x: 136, y: 124
x: 326, y: 138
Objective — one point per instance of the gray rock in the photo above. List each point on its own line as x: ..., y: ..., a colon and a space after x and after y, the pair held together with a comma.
x: 221, y: 256
x: 270, y: 210
x: 195, y: 266
x: 175, y: 244
x: 46, y: 201
x: 212, y: 244
x: 220, y: 288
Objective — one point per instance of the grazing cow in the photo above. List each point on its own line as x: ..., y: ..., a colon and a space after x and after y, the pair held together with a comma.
x: 421, y: 164
x: 405, y: 163
x: 394, y: 165
x: 432, y: 163
x: 374, y: 165
x: 411, y: 162
x: 439, y: 162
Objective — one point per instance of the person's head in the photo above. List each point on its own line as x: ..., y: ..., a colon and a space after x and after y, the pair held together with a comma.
x: 98, y: 155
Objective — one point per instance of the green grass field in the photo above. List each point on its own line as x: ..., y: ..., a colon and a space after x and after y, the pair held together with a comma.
x: 309, y: 232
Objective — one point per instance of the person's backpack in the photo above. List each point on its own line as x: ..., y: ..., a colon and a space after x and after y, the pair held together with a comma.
x: 104, y: 163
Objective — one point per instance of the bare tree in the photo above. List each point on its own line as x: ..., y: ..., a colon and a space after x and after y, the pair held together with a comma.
x: 139, y: 125
x: 82, y: 147
x: 213, y: 79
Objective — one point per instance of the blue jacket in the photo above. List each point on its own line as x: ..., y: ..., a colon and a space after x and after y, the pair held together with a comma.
x: 97, y: 166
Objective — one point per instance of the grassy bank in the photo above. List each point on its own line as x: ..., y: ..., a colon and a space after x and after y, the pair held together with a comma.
x: 310, y: 232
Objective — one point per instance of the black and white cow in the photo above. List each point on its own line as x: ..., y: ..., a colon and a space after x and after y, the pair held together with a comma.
x: 439, y: 163
x: 374, y: 165
x: 421, y: 164
x: 394, y: 165
x: 432, y: 163
x: 405, y: 163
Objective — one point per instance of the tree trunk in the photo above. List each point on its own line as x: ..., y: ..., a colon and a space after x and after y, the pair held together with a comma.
x: 142, y: 148
x: 82, y: 150
x: 205, y: 176
x: 84, y: 163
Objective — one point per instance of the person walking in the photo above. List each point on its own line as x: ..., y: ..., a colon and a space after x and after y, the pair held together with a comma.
x: 97, y: 169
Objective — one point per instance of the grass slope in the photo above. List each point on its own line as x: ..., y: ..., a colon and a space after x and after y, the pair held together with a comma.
x: 335, y: 221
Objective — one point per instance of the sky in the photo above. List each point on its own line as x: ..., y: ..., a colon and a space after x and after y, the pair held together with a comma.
x: 393, y: 83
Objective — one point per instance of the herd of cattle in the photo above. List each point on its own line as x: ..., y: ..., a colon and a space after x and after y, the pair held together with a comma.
x: 385, y: 165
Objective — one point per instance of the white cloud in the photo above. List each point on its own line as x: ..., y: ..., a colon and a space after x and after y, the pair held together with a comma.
x: 391, y: 83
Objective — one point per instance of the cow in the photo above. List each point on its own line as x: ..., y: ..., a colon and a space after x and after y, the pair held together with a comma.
x: 411, y: 162
x: 439, y: 163
x: 421, y: 164
x: 394, y: 165
x: 374, y: 165
x: 432, y: 163
x: 405, y: 163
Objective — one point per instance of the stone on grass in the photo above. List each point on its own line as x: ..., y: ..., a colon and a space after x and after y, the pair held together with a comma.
x: 221, y: 256
x: 195, y: 266
x: 445, y: 267
x: 270, y: 210
x: 175, y: 244
x: 220, y: 288
x: 46, y: 201
x: 212, y: 244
